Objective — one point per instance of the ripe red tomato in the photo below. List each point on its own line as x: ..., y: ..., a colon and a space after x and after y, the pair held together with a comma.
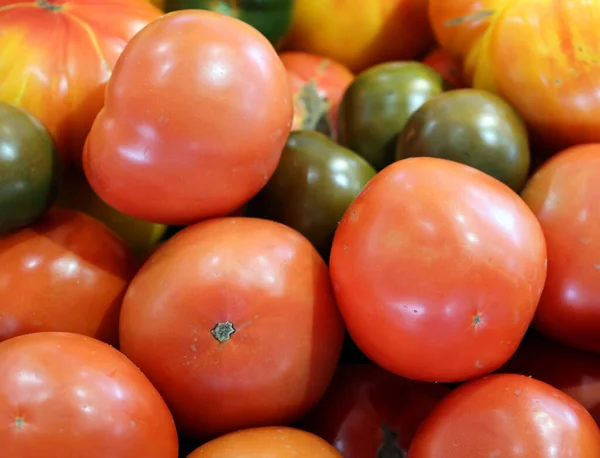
x: 438, y: 269
x: 369, y: 412
x: 56, y: 57
x: 446, y: 65
x: 68, y: 395
x: 68, y: 272
x: 275, y: 442
x: 565, y: 196
x: 234, y: 321
x: 197, y: 114
x: 318, y: 85
x: 507, y: 416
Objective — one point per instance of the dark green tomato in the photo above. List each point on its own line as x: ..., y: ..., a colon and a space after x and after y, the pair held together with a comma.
x: 378, y: 103
x: 272, y: 18
x: 315, y: 182
x: 29, y: 168
x: 473, y: 127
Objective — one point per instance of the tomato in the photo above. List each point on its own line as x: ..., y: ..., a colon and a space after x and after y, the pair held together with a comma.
x: 369, y: 412
x: 202, y: 132
x: 234, y: 321
x: 318, y: 85
x: 564, y: 196
x: 276, y: 442
x: 540, y: 56
x: 508, y: 416
x: 457, y: 263
x: 56, y: 57
x: 445, y: 64
x: 67, y: 272
x: 360, y: 34
x: 29, y: 168
x: 572, y: 371
x: 68, y: 395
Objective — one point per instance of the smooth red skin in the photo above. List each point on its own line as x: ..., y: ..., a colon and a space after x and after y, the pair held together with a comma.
x: 55, y: 64
x: 267, y: 280
x: 68, y: 272
x: 428, y: 246
x: 447, y: 65
x: 507, y: 416
x: 575, y: 372
x: 364, y: 398
x: 197, y: 113
x: 565, y: 197
x: 74, y: 396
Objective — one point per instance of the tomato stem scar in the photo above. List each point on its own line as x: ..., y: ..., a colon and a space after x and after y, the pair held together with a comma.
x: 48, y: 5
x: 476, y: 319
x: 20, y: 422
x: 222, y: 331
x: 389, y: 448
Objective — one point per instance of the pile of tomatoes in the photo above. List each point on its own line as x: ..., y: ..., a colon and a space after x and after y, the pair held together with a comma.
x: 299, y: 229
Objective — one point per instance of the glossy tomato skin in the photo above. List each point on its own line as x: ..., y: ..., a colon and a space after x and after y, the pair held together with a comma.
x: 376, y: 106
x: 68, y: 395
x: 233, y: 79
x: 368, y: 411
x: 29, y: 168
x: 564, y: 196
x: 67, y: 272
x: 447, y: 65
x: 457, y: 263
x: 507, y: 415
x: 315, y: 182
x: 234, y: 321
x: 56, y: 57
x: 277, y: 442
x: 473, y: 127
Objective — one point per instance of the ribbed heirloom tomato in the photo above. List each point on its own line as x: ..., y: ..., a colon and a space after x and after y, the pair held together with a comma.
x: 197, y: 113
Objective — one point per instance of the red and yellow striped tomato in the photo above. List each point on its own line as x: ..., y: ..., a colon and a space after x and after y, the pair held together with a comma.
x: 542, y: 56
x: 56, y: 56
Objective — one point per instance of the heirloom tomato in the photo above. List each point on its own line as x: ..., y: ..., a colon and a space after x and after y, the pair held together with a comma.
x: 438, y: 269
x: 56, y: 56
x: 197, y: 113
x: 234, y: 321
x: 66, y: 395
x: 67, y: 272
x: 565, y: 196
x: 507, y: 416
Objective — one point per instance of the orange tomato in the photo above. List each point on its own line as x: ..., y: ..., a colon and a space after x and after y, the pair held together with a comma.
x: 360, y: 33
x: 56, y: 56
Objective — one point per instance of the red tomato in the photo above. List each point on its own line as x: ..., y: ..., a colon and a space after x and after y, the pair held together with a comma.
x: 438, y: 269
x: 572, y: 371
x: 369, y: 412
x: 235, y: 323
x: 67, y: 395
x: 565, y: 196
x: 275, y: 442
x: 57, y: 55
x: 68, y: 272
x: 507, y: 416
x: 447, y: 65
x: 318, y: 85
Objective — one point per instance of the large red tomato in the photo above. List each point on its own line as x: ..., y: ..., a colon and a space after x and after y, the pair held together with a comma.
x: 565, y: 196
x: 67, y: 395
x: 507, y: 416
x: 197, y: 114
x: 56, y: 56
x: 234, y: 321
x: 68, y: 272
x: 438, y: 269
x: 369, y: 412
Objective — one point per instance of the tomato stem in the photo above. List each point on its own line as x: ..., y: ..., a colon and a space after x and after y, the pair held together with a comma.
x: 222, y: 331
x: 390, y: 448
x: 469, y: 18
x: 48, y: 5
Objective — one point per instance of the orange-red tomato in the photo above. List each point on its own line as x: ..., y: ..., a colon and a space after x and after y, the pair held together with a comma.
x: 507, y: 416
x: 67, y: 395
x: 438, y: 269
x: 447, y: 65
x: 68, y: 272
x: 235, y: 323
x: 197, y: 114
x: 565, y: 196
x: 318, y: 85
x: 271, y: 442
x: 56, y: 56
